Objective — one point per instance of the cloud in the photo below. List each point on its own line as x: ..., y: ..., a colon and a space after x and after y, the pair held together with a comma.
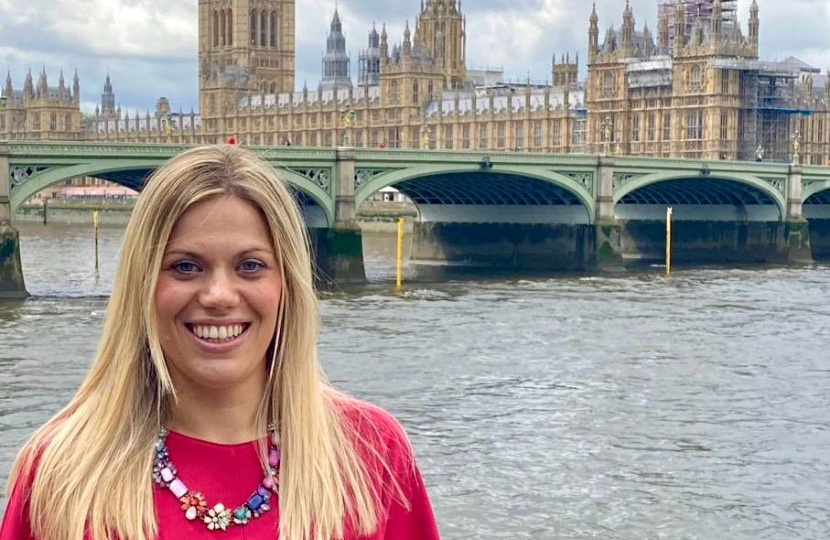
x: 150, y: 46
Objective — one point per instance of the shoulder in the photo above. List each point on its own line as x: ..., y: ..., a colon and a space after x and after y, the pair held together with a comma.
x: 376, y: 432
x: 368, y: 419
x: 16, y: 522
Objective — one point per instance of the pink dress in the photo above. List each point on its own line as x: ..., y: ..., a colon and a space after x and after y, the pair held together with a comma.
x: 230, y: 473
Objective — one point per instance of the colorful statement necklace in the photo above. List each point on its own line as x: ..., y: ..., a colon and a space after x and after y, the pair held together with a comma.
x: 194, y: 504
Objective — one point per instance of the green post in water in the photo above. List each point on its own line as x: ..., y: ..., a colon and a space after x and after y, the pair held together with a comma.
x: 399, y: 267
x: 669, y: 212
x: 95, y: 226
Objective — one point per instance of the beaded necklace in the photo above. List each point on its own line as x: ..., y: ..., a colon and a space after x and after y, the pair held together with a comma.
x: 194, y: 504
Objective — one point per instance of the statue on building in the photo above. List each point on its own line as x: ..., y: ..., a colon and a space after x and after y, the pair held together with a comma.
x: 607, y: 134
x: 797, y: 148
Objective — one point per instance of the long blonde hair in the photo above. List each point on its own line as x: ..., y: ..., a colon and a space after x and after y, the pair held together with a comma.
x: 91, y: 463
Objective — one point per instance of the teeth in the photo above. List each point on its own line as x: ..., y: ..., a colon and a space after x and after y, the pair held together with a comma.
x: 217, y: 332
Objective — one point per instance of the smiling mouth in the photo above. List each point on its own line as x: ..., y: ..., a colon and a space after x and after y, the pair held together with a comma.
x: 218, y: 334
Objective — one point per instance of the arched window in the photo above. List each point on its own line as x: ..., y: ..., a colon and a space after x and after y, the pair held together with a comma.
x: 68, y: 124
x: 608, y: 85
x: 264, y: 87
x: 416, y: 96
x: 254, y: 18
x: 431, y: 89
x: 53, y: 122
x: 229, y: 18
x: 224, y: 28
x: 273, y: 28
x: 263, y: 29
x: 393, y: 92
x: 215, y: 28
x: 696, y: 82
x: 273, y: 88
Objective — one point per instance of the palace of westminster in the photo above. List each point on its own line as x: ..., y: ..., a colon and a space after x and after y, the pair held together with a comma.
x: 693, y: 88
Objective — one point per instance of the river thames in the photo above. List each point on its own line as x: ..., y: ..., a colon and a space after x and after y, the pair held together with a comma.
x: 625, y: 407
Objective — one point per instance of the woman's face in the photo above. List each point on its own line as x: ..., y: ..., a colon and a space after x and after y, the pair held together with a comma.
x: 218, y: 296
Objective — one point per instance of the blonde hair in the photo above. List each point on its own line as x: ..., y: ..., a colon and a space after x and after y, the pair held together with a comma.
x: 92, y: 462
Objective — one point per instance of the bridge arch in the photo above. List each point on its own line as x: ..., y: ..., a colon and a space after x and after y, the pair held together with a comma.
x: 442, y: 183
x: 132, y: 174
x: 819, y: 190
x: 714, y: 190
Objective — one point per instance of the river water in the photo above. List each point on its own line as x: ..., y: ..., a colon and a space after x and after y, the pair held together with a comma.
x: 623, y: 407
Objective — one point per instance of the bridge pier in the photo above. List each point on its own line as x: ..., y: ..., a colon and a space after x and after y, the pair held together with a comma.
x: 504, y: 246
x: 795, y: 239
x: 12, y: 286
x: 338, y: 251
x: 607, y: 229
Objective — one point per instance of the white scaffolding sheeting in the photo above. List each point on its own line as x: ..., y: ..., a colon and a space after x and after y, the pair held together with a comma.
x: 650, y: 74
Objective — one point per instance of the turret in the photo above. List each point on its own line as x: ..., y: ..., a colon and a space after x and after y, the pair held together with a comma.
x: 679, y: 27
x: 754, y: 25
x: 717, y: 22
x: 43, y: 85
x: 647, y: 41
x: 62, y: 87
x: 108, y: 98
x: 8, y: 90
x: 593, y: 35
x: 407, y: 40
x: 697, y: 32
x: 663, y: 36
x: 28, y: 86
x: 384, y: 46
x: 374, y: 38
x: 627, y: 31
x: 76, y: 88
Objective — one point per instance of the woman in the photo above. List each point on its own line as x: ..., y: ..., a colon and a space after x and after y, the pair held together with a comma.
x: 206, y: 413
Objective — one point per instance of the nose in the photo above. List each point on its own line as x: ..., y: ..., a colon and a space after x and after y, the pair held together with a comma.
x: 220, y: 291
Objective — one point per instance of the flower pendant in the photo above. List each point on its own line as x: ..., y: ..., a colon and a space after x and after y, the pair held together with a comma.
x: 218, y: 517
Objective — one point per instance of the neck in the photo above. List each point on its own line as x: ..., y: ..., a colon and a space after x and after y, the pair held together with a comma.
x: 225, y: 416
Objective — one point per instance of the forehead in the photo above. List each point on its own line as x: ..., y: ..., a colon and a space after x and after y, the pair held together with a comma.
x: 222, y: 221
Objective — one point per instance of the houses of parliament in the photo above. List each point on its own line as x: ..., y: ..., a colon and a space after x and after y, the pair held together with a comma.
x: 692, y: 88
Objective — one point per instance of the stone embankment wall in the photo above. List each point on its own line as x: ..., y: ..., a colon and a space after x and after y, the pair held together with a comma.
x: 373, y: 216
x: 704, y: 242
x: 505, y: 246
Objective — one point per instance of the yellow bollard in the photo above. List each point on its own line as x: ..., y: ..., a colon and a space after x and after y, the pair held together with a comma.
x: 669, y: 212
x: 399, y: 268
x: 95, y: 226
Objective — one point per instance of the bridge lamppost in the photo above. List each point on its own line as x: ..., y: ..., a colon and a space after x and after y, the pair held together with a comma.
x: 347, y: 116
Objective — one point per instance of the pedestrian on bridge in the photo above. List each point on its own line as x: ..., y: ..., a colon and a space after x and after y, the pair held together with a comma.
x: 205, y: 413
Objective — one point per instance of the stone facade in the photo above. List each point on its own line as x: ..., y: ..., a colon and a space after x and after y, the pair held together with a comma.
x: 692, y: 89
x: 699, y: 92
x: 41, y: 112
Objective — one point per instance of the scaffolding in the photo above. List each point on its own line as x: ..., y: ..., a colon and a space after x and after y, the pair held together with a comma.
x: 748, y: 115
x: 698, y: 10
x: 769, y: 100
x: 776, y: 107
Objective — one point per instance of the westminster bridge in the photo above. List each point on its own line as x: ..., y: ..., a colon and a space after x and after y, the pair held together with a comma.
x: 510, y: 210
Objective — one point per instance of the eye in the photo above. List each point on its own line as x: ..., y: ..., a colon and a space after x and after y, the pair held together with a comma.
x: 251, y: 266
x: 184, y: 267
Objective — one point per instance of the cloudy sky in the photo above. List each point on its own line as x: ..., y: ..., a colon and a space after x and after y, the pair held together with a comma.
x: 149, y: 46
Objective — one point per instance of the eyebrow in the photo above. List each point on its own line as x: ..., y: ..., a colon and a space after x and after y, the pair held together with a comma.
x: 194, y: 255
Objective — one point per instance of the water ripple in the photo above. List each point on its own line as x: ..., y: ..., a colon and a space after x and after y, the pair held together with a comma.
x: 621, y: 408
